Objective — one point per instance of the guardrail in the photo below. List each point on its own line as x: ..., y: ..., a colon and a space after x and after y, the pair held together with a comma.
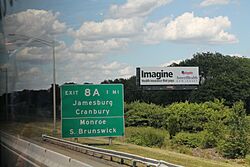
x: 37, y: 154
x: 94, y: 151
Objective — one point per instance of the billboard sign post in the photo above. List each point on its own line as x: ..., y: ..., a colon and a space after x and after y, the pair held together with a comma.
x: 92, y: 110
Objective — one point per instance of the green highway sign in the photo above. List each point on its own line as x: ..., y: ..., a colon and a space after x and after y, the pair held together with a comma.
x: 92, y: 110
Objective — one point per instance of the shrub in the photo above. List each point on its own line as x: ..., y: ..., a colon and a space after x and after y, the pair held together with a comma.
x: 236, y: 143
x: 173, y: 126
x: 210, y: 140
x: 143, y: 114
x: 214, y: 132
x: 193, y: 117
x: 189, y: 117
x: 234, y: 148
x: 145, y: 136
x: 192, y: 140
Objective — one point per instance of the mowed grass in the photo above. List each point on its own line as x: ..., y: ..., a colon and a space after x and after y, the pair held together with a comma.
x: 34, y: 131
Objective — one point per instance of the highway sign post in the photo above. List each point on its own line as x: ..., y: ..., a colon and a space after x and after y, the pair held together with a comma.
x: 92, y: 110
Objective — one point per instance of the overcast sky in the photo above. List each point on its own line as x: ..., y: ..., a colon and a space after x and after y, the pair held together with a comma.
x: 98, y: 40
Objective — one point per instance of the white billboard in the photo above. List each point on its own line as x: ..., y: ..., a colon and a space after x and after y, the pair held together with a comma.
x: 169, y: 76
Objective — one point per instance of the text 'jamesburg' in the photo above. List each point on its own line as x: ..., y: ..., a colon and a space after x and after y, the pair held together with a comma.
x: 93, y: 103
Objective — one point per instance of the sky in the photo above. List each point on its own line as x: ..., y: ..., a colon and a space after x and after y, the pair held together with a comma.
x: 100, y: 40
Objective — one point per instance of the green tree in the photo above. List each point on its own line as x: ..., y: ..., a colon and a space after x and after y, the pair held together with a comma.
x: 173, y: 126
x: 236, y: 143
x: 214, y: 131
x: 226, y: 77
x: 143, y: 114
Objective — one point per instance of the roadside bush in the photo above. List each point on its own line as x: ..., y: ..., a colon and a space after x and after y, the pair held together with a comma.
x: 210, y: 140
x: 190, y: 117
x: 234, y: 147
x: 214, y: 132
x: 248, y: 125
x: 143, y: 114
x: 173, y: 125
x: 236, y: 144
x: 145, y: 136
x: 192, y: 140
